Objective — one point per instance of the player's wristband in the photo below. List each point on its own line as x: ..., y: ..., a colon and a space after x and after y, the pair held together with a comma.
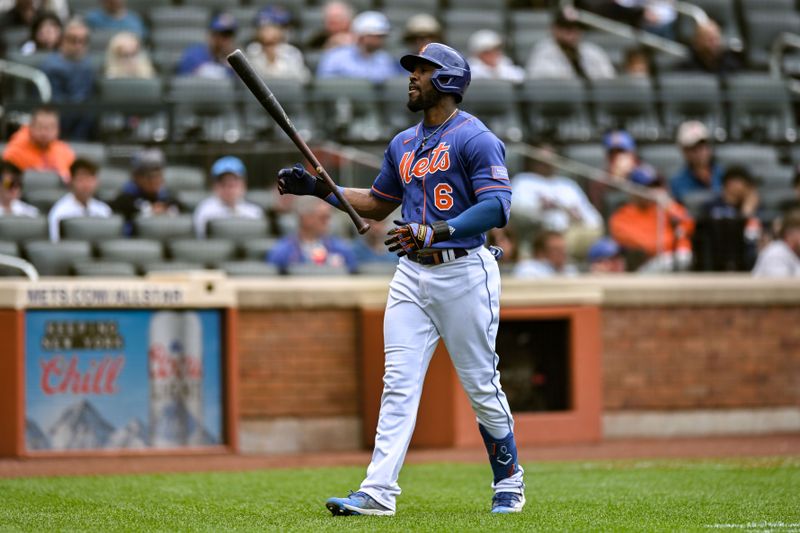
x: 322, y: 191
x: 441, y: 231
x: 332, y: 199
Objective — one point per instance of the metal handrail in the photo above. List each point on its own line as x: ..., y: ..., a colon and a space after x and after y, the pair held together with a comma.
x: 20, y: 264
x: 779, y: 45
x: 591, y: 173
x: 35, y: 76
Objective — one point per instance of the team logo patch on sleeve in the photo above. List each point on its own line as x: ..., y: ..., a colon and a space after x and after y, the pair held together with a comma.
x: 499, y: 172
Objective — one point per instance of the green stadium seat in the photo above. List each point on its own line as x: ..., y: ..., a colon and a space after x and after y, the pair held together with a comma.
x: 136, y: 251
x: 239, y: 269
x: 57, y: 258
x: 238, y: 229
x: 184, y: 178
x: 164, y: 228
x: 21, y: 229
x: 33, y: 180
x: 92, y: 229
x: 204, y: 251
x: 171, y: 266
x: 104, y: 269
x: 256, y: 249
x: 43, y: 199
x: 312, y: 270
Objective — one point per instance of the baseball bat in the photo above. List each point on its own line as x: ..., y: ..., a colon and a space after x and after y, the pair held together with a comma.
x: 264, y: 95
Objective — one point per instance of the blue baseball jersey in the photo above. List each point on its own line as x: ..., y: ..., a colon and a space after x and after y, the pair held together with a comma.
x: 441, y: 177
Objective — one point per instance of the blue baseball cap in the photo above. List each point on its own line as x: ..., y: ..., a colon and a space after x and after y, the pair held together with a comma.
x: 228, y: 165
x: 604, y: 248
x: 223, y: 22
x: 644, y: 175
x: 273, y: 15
x: 619, y: 140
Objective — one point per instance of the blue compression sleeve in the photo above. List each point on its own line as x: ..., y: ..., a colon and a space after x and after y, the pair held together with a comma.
x: 481, y: 217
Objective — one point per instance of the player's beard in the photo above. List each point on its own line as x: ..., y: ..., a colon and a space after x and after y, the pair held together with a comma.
x: 425, y: 99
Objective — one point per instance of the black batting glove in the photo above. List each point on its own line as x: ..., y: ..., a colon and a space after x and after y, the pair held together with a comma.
x: 297, y: 180
x: 412, y: 237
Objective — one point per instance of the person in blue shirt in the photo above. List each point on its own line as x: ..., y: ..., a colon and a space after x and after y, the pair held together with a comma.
x: 312, y: 243
x: 701, y: 172
x: 370, y: 248
x: 366, y: 58
x: 115, y: 15
x: 207, y: 60
x: 71, y: 77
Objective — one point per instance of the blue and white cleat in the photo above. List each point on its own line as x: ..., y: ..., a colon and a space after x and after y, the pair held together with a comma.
x: 357, y: 503
x: 507, y: 502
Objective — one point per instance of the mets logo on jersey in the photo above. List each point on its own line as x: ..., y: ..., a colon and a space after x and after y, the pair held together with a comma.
x: 438, y: 160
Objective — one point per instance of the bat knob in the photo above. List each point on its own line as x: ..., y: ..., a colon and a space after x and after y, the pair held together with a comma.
x: 362, y: 229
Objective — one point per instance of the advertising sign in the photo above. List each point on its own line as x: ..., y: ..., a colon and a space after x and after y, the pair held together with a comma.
x: 123, y: 379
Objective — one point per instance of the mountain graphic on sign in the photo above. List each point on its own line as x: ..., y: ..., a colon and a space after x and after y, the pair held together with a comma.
x: 176, y: 426
x: 35, y: 439
x: 132, y: 436
x: 80, y: 427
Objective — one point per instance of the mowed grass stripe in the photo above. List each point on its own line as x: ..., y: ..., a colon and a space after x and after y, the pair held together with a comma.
x: 732, y: 495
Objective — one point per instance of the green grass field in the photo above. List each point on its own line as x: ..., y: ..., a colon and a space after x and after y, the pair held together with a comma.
x: 725, y: 495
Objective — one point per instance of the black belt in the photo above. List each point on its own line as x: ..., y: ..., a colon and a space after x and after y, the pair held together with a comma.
x: 437, y: 257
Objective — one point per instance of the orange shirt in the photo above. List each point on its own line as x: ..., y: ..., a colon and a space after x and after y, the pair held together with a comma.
x: 636, y: 227
x: 22, y: 152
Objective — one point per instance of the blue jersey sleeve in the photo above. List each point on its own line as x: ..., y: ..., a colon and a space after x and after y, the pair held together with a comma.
x: 486, y: 160
x: 387, y: 185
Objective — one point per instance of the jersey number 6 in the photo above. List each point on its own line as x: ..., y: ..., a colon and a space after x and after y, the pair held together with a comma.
x: 442, y: 196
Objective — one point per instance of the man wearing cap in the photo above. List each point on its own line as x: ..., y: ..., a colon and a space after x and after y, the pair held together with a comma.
x: 208, y: 60
x: 488, y: 61
x: 365, y: 59
x: 635, y: 225
x: 11, y: 190
x: 550, y: 258
x: 145, y: 195
x: 564, y: 56
x: 230, y: 186
x: 37, y: 147
x: 80, y: 201
x: 621, y: 159
x: 701, y: 172
x: 269, y: 53
x: 605, y: 257
x: 421, y: 29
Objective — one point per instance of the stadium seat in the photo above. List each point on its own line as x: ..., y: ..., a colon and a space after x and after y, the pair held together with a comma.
x: 190, y: 199
x: 22, y: 229
x: 613, y: 199
x: 556, y: 109
x: 666, y: 158
x: 136, y: 251
x: 393, y: 97
x: 208, y: 252
x: 495, y: 102
x: 418, y: 6
x: 761, y: 109
x: 95, y: 152
x: 110, y: 181
x: 92, y: 229
x: 98, y: 40
x: 313, y: 269
x: 695, y: 200
x: 142, y: 114
x: 43, y: 199
x: 752, y: 156
x: 248, y: 268
x: 9, y: 248
x: 164, y: 228
x: 522, y: 42
x: 348, y: 109
x: 377, y: 268
x: 773, y: 197
x: 237, y: 229
x: 104, y: 269
x: 167, y: 17
x: 627, y: 103
x: 614, y: 45
x: 469, y: 21
x: 762, y: 26
x: 184, y: 178
x: 264, y: 198
x: 774, y: 176
x: 171, y: 266
x: 592, y: 154
x: 688, y: 95
x: 293, y: 97
x: 205, y: 109
x: 56, y: 258
x: 40, y: 179
x: 256, y: 249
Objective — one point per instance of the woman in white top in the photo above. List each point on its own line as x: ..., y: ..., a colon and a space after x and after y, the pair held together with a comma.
x: 270, y: 54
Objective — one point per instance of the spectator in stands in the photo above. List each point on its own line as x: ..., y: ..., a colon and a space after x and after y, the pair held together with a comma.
x: 781, y: 257
x: 505, y: 238
x: 421, y: 29
x: 564, y: 56
x: 270, y: 54
x: 207, y: 60
x: 636, y: 63
x: 605, y: 257
x: 635, y: 226
x: 21, y: 14
x: 791, y: 204
x: 115, y: 15
x: 45, y: 34
x: 548, y: 201
x: 145, y: 195
x: 11, y: 190
x: 487, y: 59
x: 550, y: 258
x: 366, y: 58
x: 312, y: 243
x: 701, y: 172
x: 126, y: 59
x: 370, y: 247
x: 37, y: 147
x: 709, y: 53
x: 733, y: 217
x: 230, y: 185
x: 337, y: 18
x: 80, y: 201
x: 655, y: 16
x: 621, y: 159
x: 71, y: 76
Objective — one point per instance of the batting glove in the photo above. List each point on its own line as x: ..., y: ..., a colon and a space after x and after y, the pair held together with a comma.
x: 411, y: 237
x: 297, y: 180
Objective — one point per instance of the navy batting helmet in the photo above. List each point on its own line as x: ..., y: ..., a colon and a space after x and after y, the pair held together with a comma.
x: 452, y: 73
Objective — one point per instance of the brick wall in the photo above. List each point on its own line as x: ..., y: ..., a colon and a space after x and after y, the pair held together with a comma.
x: 298, y: 363
x: 705, y: 357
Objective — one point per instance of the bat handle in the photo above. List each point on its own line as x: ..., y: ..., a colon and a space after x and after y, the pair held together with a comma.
x: 361, y: 226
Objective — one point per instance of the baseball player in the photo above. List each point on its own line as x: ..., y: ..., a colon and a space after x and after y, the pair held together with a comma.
x: 448, y: 174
